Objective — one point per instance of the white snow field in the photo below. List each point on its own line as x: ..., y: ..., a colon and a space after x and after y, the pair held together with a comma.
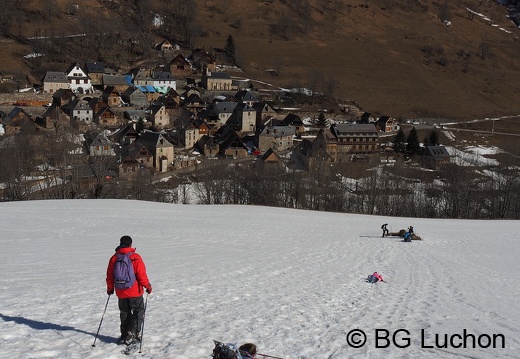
x: 291, y: 281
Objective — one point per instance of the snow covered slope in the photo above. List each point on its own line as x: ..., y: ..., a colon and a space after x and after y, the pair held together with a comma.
x: 290, y: 281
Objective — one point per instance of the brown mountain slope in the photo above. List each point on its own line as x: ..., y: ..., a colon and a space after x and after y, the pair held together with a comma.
x: 391, y: 57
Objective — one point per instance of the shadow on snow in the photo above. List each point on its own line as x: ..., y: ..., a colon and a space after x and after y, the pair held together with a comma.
x: 35, y: 324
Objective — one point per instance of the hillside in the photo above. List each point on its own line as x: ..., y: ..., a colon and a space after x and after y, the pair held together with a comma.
x: 391, y: 58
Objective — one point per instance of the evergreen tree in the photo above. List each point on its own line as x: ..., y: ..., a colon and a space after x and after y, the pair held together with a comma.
x: 230, y: 48
x: 433, y: 138
x: 426, y: 141
x: 412, y: 142
x: 140, y: 125
x: 322, y: 121
x: 399, y: 141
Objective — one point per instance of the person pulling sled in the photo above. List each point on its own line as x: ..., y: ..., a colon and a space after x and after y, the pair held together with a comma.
x: 385, y: 230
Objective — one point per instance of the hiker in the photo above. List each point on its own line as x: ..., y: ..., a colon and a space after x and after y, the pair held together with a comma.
x: 248, y: 351
x: 130, y: 300
x: 385, y: 231
x: 375, y: 277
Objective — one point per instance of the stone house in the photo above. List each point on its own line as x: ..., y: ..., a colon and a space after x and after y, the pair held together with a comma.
x: 99, y: 145
x: 270, y: 158
x: 307, y: 153
x: 63, y: 96
x: 279, y: 138
x: 97, y: 103
x: 353, y: 142
x: 125, y: 135
x: 157, y: 115
x: 80, y: 113
x: 223, y: 111
x: 53, y: 117
x: 193, y: 131
x: 135, y: 115
x: 95, y: 70
x: 206, y: 146
x: 54, y: 81
x: 105, y: 117
x: 133, y: 159
x: 263, y: 112
x: 434, y: 157
x: 201, y: 59
x: 134, y: 96
x: 111, y: 96
x: 16, y: 120
x: 294, y: 121
x: 245, y: 96
x: 216, y: 81
x: 194, y: 103
x: 233, y: 147
x: 151, y: 93
x: 180, y: 67
x: 120, y: 82
x: 161, y: 150
x: 210, y: 119
x: 171, y: 99
x: 244, y: 118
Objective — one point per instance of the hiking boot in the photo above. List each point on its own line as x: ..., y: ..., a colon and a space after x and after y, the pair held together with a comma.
x: 129, y: 338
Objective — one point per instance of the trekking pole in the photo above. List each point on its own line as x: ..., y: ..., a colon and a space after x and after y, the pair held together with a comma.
x: 268, y: 356
x: 142, y: 328
x: 106, y: 305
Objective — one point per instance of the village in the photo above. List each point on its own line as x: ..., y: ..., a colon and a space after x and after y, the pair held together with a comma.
x: 162, y: 121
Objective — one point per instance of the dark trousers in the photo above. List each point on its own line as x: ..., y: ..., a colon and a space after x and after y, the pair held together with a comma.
x: 131, y: 314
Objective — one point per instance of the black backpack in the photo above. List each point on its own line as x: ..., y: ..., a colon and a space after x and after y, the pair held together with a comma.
x: 225, y: 351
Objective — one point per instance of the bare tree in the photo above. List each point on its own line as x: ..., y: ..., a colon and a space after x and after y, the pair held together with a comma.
x: 484, y: 50
x: 444, y: 12
x: 315, y: 83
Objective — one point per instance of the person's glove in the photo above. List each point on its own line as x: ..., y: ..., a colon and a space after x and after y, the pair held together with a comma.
x: 149, y: 289
x: 110, y: 291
